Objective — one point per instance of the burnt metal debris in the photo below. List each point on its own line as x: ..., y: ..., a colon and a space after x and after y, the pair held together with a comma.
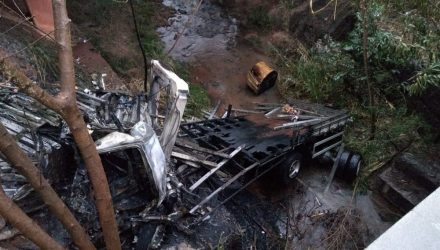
x: 163, y: 173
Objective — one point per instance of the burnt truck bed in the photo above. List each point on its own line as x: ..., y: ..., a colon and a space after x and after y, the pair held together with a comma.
x: 239, y: 150
x: 265, y: 134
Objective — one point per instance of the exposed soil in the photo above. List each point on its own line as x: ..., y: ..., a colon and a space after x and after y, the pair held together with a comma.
x: 224, y: 77
x: 93, y: 63
x: 209, y: 42
x: 110, y: 28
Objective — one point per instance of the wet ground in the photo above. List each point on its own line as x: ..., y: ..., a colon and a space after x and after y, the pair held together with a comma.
x: 209, y: 41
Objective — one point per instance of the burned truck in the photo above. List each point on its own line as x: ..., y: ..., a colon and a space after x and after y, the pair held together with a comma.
x: 164, y: 172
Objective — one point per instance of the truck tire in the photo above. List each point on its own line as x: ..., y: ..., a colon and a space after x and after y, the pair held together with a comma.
x: 290, y: 167
x: 349, y: 166
x: 353, y: 167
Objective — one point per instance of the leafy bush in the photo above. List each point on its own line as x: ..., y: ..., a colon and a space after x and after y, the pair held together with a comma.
x: 402, y: 58
x: 323, y: 73
x: 396, y: 131
x: 425, y: 78
x: 260, y: 18
x: 427, y: 8
x: 405, y: 57
x: 197, y: 101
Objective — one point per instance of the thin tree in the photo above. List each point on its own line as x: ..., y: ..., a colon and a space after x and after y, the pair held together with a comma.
x: 65, y: 104
x: 20, y: 161
x: 14, y: 215
x: 363, y: 7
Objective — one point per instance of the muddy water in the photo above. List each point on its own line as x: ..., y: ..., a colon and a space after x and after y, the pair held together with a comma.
x: 209, y: 41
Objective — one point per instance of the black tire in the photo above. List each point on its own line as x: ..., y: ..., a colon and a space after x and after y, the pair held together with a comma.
x: 290, y: 167
x: 348, y: 166
x: 342, y: 163
x: 353, y: 167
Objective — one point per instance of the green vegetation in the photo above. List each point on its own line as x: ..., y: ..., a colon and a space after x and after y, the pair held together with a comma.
x: 403, y: 53
x: 120, y: 64
x: 45, y: 59
x: 259, y: 18
x: 150, y: 41
x: 397, y: 130
x: 427, y: 8
x: 197, y: 102
x: 113, y: 16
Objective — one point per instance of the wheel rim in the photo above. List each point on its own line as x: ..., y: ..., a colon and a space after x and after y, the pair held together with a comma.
x: 358, y: 168
x: 294, y: 169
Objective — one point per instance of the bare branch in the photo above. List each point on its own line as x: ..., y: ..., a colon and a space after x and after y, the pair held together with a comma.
x: 27, y: 86
x: 65, y: 105
x: 78, y: 127
x: 14, y: 215
x: 65, y: 56
x: 24, y: 165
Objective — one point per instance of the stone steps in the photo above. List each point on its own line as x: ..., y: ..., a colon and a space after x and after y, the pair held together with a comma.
x: 409, y: 181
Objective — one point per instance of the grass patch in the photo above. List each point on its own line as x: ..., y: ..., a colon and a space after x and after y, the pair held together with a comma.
x: 112, y: 16
x: 259, y: 18
x: 427, y: 8
x: 120, y: 64
x: 46, y: 62
x: 397, y: 130
x: 145, y: 13
x: 197, y: 102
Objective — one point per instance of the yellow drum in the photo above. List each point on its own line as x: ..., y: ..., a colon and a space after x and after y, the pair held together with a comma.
x: 261, y: 78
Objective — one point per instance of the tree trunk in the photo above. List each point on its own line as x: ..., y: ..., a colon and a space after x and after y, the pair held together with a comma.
x: 14, y: 215
x: 95, y: 170
x: 78, y: 127
x: 24, y: 165
x: 65, y: 105
x: 364, y: 6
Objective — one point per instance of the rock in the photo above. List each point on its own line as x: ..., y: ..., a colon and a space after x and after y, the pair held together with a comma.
x: 401, y: 189
x: 410, y: 180
x: 427, y: 173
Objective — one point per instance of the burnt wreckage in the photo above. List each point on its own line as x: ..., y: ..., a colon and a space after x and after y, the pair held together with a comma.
x: 158, y: 169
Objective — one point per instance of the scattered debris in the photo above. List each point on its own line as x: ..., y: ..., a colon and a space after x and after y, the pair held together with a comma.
x: 163, y: 174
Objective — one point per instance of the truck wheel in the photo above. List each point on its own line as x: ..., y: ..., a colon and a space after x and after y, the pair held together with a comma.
x: 349, y: 166
x: 353, y: 167
x: 290, y: 167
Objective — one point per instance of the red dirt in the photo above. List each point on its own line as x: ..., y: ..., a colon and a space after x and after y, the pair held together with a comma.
x: 224, y: 77
x: 92, y: 62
